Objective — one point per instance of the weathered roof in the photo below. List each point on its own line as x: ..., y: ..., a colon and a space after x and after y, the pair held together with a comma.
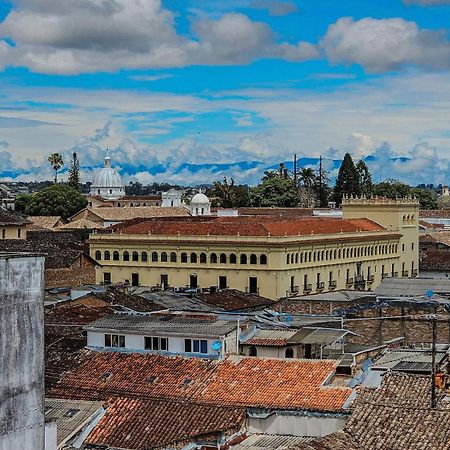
x: 48, y: 222
x: 411, y: 287
x: 271, y: 442
x: 416, y: 360
x: 132, y: 423
x: 247, y: 226
x: 11, y: 218
x: 70, y: 416
x: 119, y: 214
x: 271, y: 337
x: 435, y: 259
x: 434, y: 214
x: 234, y: 300
x: 81, y: 224
x: 234, y: 381
x: 319, y: 336
x: 164, y: 324
x: 438, y: 237
x: 396, y: 415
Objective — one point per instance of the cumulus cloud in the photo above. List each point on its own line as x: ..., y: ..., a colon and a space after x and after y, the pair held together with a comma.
x: 381, y: 45
x: 4, y: 144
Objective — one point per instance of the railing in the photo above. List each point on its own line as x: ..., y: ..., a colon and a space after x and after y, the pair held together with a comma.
x: 405, y: 273
x: 307, y: 288
x: 320, y: 285
x: 332, y: 284
x: 370, y: 278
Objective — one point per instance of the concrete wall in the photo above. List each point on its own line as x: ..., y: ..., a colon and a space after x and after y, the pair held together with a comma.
x: 297, y: 425
x: 176, y: 343
x: 21, y: 352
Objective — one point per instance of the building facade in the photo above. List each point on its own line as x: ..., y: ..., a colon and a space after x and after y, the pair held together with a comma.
x: 265, y: 255
x: 12, y: 225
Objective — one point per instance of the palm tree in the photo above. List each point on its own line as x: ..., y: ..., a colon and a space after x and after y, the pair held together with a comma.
x: 56, y: 161
x: 307, y: 177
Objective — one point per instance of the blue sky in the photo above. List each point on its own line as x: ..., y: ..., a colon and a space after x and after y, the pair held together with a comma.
x: 182, y: 90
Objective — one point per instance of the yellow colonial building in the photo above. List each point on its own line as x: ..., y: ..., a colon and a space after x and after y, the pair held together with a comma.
x: 274, y: 257
x: 12, y: 225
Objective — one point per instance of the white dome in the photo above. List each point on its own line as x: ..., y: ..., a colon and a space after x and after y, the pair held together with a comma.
x: 200, y: 199
x: 107, y: 182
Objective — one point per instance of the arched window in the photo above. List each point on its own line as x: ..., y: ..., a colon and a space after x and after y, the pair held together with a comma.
x: 289, y: 353
x: 116, y: 256
x: 193, y: 258
x: 339, y: 253
x: 314, y: 256
x: 292, y: 258
x: 107, y: 255
x: 252, y: 351
x: 203, y: 258
x: 254, y: 259
x: 288, y: 258
x: 144, y: 257
x: 233, y: 259
x: 301, y: 257
x: 98, y: 255
x: 309, y: 256
x: 154, y: 257
x: 263, y: 259
x: 163, y: 257
x: 135, y: 256
x: 213, y: 258
x: 126, y: 256
x: 184, y: 258
x: 335, y: 254
x: 322, y: 256
x: 173, y: 257
x: 223, y: 258
x: 243, y: 258
x: 296, y: 258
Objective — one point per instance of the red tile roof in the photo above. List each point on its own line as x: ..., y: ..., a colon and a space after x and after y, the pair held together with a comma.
x: 246, y: 226
x: 146, y: 424
x: 235, y: 381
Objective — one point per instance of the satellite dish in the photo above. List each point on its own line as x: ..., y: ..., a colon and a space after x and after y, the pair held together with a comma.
x: 429, y: 293
x: 217, y: 345
x: 288, y: 319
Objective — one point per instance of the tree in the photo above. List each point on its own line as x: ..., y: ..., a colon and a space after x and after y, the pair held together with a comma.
x: 321, y: 188
x: 365, y: 178
x: 21, y: 202
x: 56, y: 200
x: 275, y: 190
x: 74, y: 172
x: 347, y: 181
x: 307, y: 177
x: 56, y: 161
x: 228, y: 195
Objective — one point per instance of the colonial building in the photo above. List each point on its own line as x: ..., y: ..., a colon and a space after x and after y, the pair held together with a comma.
x: 107, y: 182
x: 12, y: 225
x: 271, y: 256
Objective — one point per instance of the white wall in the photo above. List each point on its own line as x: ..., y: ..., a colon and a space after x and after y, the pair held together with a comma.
x: 297, y: 425
x: 176, y: 343
x: 51, y: 442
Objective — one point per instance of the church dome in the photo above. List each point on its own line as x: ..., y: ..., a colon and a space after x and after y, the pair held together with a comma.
x: 107, y: 182
x: 200, y: 199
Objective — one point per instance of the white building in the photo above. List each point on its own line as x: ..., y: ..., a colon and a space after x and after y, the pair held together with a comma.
x: 107, y: 182
x: 200, y: 205
x: 171, y: 198
x: 166, y: 334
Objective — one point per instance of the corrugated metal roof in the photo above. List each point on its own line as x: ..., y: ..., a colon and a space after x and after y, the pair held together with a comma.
x: 320, y: 336
x: 271, y: 337
x: 163, y: 324
x: 412, y: 287
x: 70, y: 416
x: 267, y: 441
x: 392, y: 358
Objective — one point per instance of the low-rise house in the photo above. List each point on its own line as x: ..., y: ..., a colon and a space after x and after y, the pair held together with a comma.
x: 73, y: 420
x: 12, y: 225
x: 7, y: 198
x: 206, y: 337
x: 308, y: 342
x: 45, y: 222
x: 286, y: 397
x: 104, y: 217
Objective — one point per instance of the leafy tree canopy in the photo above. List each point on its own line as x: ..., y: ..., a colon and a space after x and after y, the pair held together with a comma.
x: 228, y: 195
x: 347, y: 181
x: 275, y: 190
x: 397, y: 189
x: 57, y: 200
x: 365, y: 178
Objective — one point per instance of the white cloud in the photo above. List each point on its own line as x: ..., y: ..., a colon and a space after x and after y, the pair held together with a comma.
x: 275, y: 7
x: 381, y: 45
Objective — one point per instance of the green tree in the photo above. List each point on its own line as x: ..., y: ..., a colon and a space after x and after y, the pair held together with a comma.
x: 391, y: 189
x: 56, y: 161
x: 427, y: 198
x: 21, y: 202
x: 56, y: 200
x: 347, y: 181
x: 74, y: 172
x: 275, y: 190
x: 365, y: 178
x: 228, y: 194
x: 321, y: 188
x: 307, y: 177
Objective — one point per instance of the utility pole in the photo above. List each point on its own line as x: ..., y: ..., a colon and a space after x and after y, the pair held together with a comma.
x: 295, y: 169
x: 433, y: 364
x: 320, y: 182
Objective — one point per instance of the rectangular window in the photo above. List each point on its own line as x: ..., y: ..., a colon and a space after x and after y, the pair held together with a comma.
x: 403, y: 247
x: 106, y: 277
x: 3, y: 233
x: 196, y: 346
x: 114, y: 340
x: 412, y: 246
x: 19, y: 232
x: 156, y: 343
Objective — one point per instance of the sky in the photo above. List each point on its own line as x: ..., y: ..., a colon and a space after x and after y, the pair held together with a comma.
x: 190, y: 91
